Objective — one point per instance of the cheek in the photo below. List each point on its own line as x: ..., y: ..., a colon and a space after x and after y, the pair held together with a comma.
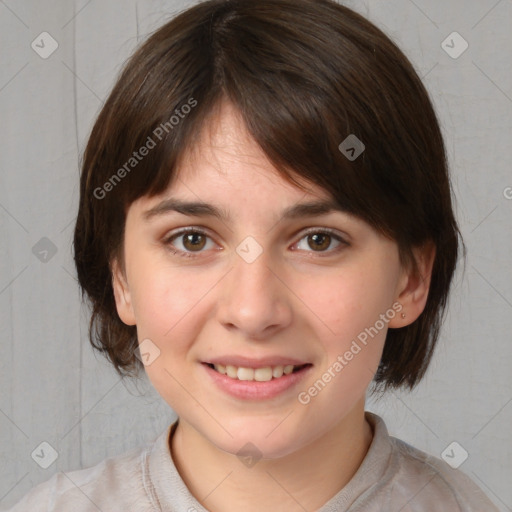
x: 350, y: 329
x: 352, y: 309
x: 347, y: 302
x: 167, y: 301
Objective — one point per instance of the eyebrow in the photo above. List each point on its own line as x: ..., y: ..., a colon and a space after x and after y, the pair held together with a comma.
x: 200, y: 209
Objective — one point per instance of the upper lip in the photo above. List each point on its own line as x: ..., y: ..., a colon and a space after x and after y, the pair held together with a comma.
x: 248, y: 362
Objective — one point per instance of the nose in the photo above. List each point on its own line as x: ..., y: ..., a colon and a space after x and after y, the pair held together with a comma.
x: 254, y: 299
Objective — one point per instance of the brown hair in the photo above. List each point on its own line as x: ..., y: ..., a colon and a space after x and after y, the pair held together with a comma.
x: 304, y: 74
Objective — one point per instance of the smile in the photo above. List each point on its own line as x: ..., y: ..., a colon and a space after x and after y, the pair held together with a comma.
x: 262, y: 383
x: 264, y: 374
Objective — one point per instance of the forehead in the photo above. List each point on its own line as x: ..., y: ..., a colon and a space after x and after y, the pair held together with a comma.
x: 223, y: 163
x: 225, y: 175
x: 224, y: 145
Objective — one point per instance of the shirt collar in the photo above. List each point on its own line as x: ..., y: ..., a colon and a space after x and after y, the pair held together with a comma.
x: 378, y: 463
x: 169, y: 492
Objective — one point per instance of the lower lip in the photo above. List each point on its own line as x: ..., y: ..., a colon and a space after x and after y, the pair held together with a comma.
x: 254, y: 390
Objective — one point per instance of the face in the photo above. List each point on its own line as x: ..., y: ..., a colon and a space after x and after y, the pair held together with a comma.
x: 256, y: 290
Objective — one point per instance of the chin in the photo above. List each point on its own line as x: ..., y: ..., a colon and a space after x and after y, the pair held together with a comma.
x: 260, y: 439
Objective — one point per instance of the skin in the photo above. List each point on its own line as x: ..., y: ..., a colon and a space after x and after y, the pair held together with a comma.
x: 296, y: 299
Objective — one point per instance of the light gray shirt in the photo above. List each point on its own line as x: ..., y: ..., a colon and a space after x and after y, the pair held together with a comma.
x: 393, y: 476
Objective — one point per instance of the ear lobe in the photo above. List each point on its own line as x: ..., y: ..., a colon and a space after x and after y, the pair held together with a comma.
x: 122, y: 294
x: 415, y: 285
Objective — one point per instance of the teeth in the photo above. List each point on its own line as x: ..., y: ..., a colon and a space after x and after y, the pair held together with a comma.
x: 288, y: 369
x: 257, y: 374
x: 277, y: 371
x: 231, y: 372
x: 245, y: 373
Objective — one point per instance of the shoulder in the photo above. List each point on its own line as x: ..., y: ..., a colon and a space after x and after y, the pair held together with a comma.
x: 115, y: 484
x: 427, y: 481
x: 397, y: 476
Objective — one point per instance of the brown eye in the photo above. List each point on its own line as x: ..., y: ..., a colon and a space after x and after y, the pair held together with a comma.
x: 319, y: 241
x: 193, y: 241
x: 188, y: 242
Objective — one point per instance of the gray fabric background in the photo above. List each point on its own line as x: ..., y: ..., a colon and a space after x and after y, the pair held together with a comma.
x: 54, y: 389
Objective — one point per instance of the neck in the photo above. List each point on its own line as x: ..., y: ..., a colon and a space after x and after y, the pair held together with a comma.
x: 307, y: 478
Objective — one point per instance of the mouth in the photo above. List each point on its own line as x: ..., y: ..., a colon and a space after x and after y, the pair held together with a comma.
x: 263, y: 374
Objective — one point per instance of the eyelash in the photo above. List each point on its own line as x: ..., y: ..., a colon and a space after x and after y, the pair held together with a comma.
x: 180, y: 253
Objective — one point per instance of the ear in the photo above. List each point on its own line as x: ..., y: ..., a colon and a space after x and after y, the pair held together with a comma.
x: 122, y: 294
x: 414, y: 285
